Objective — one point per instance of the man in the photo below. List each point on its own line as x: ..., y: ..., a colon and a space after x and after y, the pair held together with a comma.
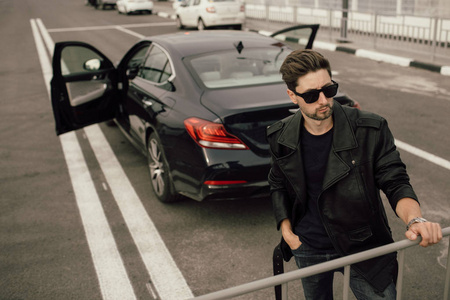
x: 329, y: 163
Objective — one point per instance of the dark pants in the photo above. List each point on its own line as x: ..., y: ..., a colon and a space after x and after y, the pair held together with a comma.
x: 320, y: 286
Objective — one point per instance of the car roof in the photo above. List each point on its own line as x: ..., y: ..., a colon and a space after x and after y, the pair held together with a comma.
x: 197, y: 42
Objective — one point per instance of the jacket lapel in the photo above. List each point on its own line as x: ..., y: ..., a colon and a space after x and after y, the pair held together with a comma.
x: 291, y: 164
x: 343, y: 139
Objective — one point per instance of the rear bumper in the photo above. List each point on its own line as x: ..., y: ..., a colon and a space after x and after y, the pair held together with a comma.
x: 232, y: 192
x: 219, y: 20
x: 139, y: 6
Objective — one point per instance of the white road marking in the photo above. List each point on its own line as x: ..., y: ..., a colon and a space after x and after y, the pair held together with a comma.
x: 423, y: 154
x: 138, y: 35
x: 108, y: 27
x: 165, y: 275
x: 111, y: 273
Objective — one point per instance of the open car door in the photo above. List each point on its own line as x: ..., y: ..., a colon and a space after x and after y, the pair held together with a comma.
x: 298, y: 36
x: 84, y: 86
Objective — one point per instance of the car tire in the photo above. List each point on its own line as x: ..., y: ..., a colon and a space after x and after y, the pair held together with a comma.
x: 159, y: 171
x: 201, y: 25
x: 179, y: 24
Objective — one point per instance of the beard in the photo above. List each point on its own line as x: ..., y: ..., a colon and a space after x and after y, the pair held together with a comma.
x: 320, y: 116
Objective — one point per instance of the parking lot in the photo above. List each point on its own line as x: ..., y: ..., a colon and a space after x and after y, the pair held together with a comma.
x: 56, y: 232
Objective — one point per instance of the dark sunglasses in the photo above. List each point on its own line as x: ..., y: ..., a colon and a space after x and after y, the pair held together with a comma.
x: 312, y: 96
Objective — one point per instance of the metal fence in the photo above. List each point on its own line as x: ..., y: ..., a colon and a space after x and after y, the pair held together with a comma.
x: 345, y: 262
x: 427, y: 36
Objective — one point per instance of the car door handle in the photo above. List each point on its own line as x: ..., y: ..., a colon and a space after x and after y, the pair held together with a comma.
x: 147, y: 103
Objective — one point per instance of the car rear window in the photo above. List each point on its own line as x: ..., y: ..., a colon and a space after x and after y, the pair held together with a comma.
x: 253, y: 66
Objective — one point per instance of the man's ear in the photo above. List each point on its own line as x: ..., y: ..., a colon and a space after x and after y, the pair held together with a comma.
x: 292, y: 96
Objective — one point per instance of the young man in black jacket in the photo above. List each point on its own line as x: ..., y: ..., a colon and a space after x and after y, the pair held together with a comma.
x: 329, y: 163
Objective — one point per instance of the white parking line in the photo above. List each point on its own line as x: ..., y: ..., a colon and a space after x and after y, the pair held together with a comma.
x: 111, y: 273
x: 165, y: 275
x: 138, y: 35
x: 107, y: 27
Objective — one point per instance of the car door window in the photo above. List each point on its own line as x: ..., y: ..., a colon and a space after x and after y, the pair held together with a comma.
x: 157, y: 67
x: 138, y: 58
x: 136, y: 61
x: 74, y: 59
x: 77, y: 60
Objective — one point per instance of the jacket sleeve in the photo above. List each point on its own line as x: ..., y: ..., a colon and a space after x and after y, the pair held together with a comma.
x: 390, y: 171
x: 282, y: 206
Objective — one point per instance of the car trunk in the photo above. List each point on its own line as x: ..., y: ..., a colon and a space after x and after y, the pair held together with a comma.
x: 246, y: 112
x: 227, y: 8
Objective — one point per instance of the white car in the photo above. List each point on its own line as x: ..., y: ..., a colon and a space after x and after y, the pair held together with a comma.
x: 210, y: 13
x: 132, y: 6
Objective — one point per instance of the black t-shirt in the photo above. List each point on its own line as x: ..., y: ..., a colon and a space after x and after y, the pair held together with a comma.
x: 315, y: 150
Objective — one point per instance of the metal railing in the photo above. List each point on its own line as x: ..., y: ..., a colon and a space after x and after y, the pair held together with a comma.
x: 428, y: 36
x: 345, y: 262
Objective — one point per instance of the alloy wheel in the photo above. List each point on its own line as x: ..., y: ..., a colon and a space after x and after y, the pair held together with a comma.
x: 156, y: 167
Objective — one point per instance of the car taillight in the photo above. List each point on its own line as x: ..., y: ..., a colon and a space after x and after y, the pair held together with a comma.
x: 212, y: 135
x: 211, y: 9
x: 224, y: 182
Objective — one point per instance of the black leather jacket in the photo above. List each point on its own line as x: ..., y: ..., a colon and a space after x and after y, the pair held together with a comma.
x: 363, y: 159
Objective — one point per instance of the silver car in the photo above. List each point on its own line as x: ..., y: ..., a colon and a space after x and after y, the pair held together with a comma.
x: 210, y: 13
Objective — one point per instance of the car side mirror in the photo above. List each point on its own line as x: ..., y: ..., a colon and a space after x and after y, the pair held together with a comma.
x: 92, y: 64
x: 132, y: 72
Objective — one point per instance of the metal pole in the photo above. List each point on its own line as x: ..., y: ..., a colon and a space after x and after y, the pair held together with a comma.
x: 320, y: 268
x: 435, y: 41
x: 346, y: 288
x: 447, y: 276
x: 331, y: 24
x: 284, y: 291
x: 401, y: 267
x: 344, y: 20
x: 375, y: 31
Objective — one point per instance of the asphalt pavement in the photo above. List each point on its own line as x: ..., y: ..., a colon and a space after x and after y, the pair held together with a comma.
x: 45, y: 251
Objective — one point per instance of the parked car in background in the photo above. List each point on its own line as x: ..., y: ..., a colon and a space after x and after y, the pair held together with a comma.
x: 197, y: 104
x: 103, y: 3
x: 210, y: 13
x: 134, y: 6
x: 176, y: 3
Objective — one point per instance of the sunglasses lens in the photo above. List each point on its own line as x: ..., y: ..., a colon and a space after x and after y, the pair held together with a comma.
x: 311, y: 97
x: 330, y: 91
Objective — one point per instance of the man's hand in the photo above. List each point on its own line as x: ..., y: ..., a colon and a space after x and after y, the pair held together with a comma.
x: 288, y: 235
x: 431, y: 233
x: 408, y: 209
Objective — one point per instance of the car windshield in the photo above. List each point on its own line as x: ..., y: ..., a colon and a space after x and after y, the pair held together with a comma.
x: 252, y: 66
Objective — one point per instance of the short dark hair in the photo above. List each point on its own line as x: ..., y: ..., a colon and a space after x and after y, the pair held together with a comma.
x: 301, y: 62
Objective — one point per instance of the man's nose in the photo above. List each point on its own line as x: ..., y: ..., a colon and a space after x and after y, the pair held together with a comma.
x: 322, y: 98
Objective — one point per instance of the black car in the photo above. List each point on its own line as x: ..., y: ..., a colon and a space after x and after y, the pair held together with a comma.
x: 195, y: 103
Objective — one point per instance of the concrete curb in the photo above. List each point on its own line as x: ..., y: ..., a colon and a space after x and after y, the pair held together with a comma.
x: 377, y: 56
x: 373, y: 55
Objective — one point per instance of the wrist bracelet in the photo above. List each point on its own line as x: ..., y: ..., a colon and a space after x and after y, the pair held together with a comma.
x: 415, y: 220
